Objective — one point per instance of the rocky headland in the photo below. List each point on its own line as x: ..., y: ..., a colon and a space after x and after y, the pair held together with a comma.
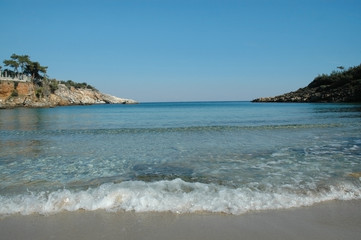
x: 339, y: 86
x: 32, y: 87
x: 51, y: 94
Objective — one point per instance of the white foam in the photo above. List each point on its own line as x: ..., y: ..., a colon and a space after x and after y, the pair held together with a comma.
x: 354, y: 148
x: 174, y: 196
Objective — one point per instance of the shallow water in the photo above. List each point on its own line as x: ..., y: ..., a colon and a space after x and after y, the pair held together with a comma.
x: 230, y: 157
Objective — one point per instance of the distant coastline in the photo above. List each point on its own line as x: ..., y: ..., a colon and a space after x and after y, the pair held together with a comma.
x: 339, y: 86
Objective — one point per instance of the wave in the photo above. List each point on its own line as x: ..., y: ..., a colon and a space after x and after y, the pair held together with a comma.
x: 175, y: 196
x: 114, y: 131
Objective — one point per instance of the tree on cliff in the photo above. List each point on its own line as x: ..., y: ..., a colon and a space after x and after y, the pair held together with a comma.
x: 12, y: 63
x: 34, y: 69
x: 29, y: 68
x: 23, y: 60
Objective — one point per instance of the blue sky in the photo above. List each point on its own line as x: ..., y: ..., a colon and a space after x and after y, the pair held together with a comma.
x: 185, y: 50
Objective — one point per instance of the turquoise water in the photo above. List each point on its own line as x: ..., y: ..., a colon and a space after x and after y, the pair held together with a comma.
x: 229, y: 157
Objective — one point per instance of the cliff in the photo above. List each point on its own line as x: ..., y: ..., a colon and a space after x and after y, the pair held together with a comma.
x: 342, y: 86
x: 27, y: 94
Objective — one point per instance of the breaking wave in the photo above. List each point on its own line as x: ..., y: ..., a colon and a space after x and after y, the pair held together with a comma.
x: 175, y: 196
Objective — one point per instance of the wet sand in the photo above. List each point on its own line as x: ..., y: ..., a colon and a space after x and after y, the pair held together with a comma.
x: 331, y: 220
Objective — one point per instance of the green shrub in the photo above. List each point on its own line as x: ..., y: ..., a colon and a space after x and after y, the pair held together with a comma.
x: 337, y: 78
x: 53, y: 85
x: 39, y: 92
x: 70, y: 84
x: 14, y: 93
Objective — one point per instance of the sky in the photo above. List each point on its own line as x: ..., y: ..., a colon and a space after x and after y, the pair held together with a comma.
x: 183, y: 50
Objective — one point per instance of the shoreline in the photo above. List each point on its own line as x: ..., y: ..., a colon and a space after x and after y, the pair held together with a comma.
x: 328, y: 220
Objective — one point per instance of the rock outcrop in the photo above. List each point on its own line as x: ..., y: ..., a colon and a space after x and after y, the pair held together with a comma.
x: 26, y: 94
x: 337, y: 87
x: 320, y: 94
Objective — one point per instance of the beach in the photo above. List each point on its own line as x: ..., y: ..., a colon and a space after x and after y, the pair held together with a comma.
x: 330, y: 220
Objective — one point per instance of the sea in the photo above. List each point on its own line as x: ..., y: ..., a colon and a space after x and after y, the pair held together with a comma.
x: 181, y: 157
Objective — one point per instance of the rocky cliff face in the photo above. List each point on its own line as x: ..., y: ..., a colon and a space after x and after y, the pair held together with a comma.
x: 26, y: 94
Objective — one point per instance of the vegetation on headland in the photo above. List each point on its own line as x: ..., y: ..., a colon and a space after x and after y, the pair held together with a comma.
x: 76, y: 85
x: 339, y: 86
x: 35, y: 72
x: 336, y: 79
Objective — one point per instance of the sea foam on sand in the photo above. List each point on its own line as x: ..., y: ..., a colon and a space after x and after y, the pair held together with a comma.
x: 327, y: 221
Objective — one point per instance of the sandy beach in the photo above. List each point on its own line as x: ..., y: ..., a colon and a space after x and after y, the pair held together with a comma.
x: 331, y: 220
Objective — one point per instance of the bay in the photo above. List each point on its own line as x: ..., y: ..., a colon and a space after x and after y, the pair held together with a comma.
x: 230, y: 157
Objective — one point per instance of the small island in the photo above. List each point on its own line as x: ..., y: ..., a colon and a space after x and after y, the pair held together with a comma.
x: 31, y: 87
x: 339, y: 86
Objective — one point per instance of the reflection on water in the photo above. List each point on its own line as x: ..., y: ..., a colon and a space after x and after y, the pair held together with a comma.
x: 21, y: 149
x: 21, y: 119
x: 13, y: 148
